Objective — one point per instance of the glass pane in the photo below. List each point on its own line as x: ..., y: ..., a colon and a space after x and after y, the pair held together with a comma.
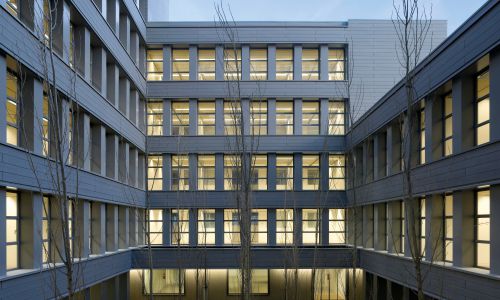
x: 483, y: 229
x: 11, y: 231
x: 483, y: 255
x: 11, y: 204
x: 483, y: 202
x: 483, y: 84
x: 483, y: 111
x: 483, y: 134
x: 12, y: 257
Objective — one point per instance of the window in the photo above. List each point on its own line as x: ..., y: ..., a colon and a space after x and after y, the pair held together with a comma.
x: 12, y: 108
x: 448, y: 125
x: 330, y: 284
x: 232, y: 117
x: 284, y: 172
x: 448, y: 228
x: 13, y: 7
x: 259, y: 172
x: 284, y: 117
x: 154, y: 117
x: 12, y: 234
x: 231, y: 227
x: 259, y: 282
x: 47, y: 27
x: 421, y: 131
x: 180, y: 118
x: 258, y: 117
x: 259, y: 226
x: 232, y: 64
x: 206, y: 64
x: 155, y: 174
x: 154, y: 62
x: 336, y: 64
x: 310, y: 226
x: 310, y: 117
x: 258, y: 64
x: 310, y: 172
x: 180, y: 64
x: 71, y: 228
x: 155, y: 226
x: 71, y: 45
x: 206, y: 172
x: 310, y: 64
x: 206, y: 226
x: 284, y: 64
x: 422, y: 226
x: 206, y: 118
x: 482, y: 225
x: 336, y: 118
x: 180, y: 173
x: 403, y: 227
x: 336, y: 226
x: 179, y: 224
x: 45, y: 125
x: 336, y: 172
x: 232, y: 165
x: 46, y: 217
x: 284, y: 226
x: 165, y: 281
x: 483, y: 108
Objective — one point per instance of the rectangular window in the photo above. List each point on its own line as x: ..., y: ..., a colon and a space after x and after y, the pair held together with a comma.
x: 155, y: 173
x: 284, y: 64
x: 71, y: 45
x: 310, y: 226
x: 46, y: 218
x: 483, y: 108
x: 336, y: 172
x: 336, y: 118
x: 310, y: 64
x: 284, y: 226
x: 206, y: 118
x: 258, y: 64
x: 259, y: 172
x: 180, y: 64
x: 403, y: 227
x: 231, y: 227
x: 232, y: 117
x: 155, y: 226
x: 154, y: 117
x: 421, y: 131
x: 45, y: 125
x: 206, y: 64
x: 12, y: 233
x: 447, y: 125
x: 180, y: 172
x: 258, y: 226
x: 284, y: 172
x: 12, y: 108
x: 482, y: 225
x: 47, y: 26
x: 165, y: 281
x: 206, y: 172
x: 206, y: 226
x: 310, y: 117
x: 71, y: 228
x: 179, y: 224
x: 232, y: 64
x: 154, y: 63
x: 336, y: 226
x: 13, y: 7
x: 258, y: 117
x: 259, y: 282
x: 284, y: 117
x: 448, y: 228
x: 232, y: 166
x: 310, y: 172
x: 422, y: 226
x: 180, y: 118
x: 336, y: 64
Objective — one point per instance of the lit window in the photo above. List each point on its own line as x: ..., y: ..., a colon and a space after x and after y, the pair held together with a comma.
x: 12, y: 234
x: 310, y: 226
x: 180, y: 118
x: 421, y: 131
x: 155, y: 174
x: 483, y: 108
x: 336, y: 172
x: 284, y: 226
x: 448, y: 228
x: 232, y: 117
x: 165, y: 281
x: 310, y: 64
x: 180, y: 64
x: 13, y: 7
x: 12, y: 108
x: 258, y: 64
x: 206, y: 226
x: 258, y: 221
x: 259, y: 172
x: 71, y: 45
x: 284, y: 64
x: 422, y: 226
x: 206, y: 64
x: 71, y: 228
x: 403, y: 227
x: 180, y: 173
x: 259, y: 282
x: 179, y: 224
x: 232, y: 64
x: 448, y: 125
x: 154, y: 62
x: 232, y: 166
x: 330, y: 284
x: 284, y: 117
x: 231, y: 227
x: 155, y: 226
x: 336, y: 64
x: 206, y: 118
x: 206, y: 172
x: 284, y: 172
x: 47, y: 27
x: 336, y: 226
x: 336, y: 118
x: 45, y: 125
x: 482, y: 225
x: 155, y: 117
x: 258, y: 117
x: 46, y: 218
x: 310, y: 117
x: 310, y: 172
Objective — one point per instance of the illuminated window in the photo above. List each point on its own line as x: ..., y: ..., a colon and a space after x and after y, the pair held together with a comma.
x: 232, y: 117
x: 336, y: 226
x: 284, y: 64
x: 403, y: 227
x: 180, y: 64
x: 154, y: 117
x: 310, y: 172
x: 336, y: 172
x: 284, y: 117
x: 206, y: 118
x: 155, y: 174
x: 258, y: 117
x: 259, y: 282
x: 336, y: 118
x: 284, y: 226
x: 310, y: 117
x: 448, y: 125
x: 12, y: 108
x: 180, y: 118
x: 232, y: 64
x: 232, y: 166
x: 482, y: 225
x: 165, y: 281
x: 284, y: 172
x: 258, y: 64
x: 71, y: 228
x: 206, y: 64
x: 155, y: 226
x: 71, y: 51
x: 421, y: 131
x: 336, y: 64
x: 310, y: 64
x: 259, y: 172
x: 180, y: 173
x: 179, y: 224
x: 154, y: 62
x: 310, y: 226
x: 206, y: 172
x: 13, y: 7
x: 483, y: 108
x: 258, y: 228
x: 12, y: 225
x: 206, y: 226
x: 47, y: 26
x: 422, y: 226
x: 46, y: 218
x: 231, y: 227
x: 45, y: 125
x: 448, y: 228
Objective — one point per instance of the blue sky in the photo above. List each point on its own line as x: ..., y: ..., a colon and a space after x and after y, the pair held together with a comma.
x: 454, y: 11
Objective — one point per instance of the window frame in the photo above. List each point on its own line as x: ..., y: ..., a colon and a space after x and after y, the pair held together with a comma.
x: 177, y: 62
x: 232, y: 117
x: 310, y: 74
x: 477, y: 101
x: 311, y: 167
x: 289, y: 180
x: 447, y: 235
x: 335, y: 128
x: 231, y: 227
x: 287, y: 225
x: 179, y: 182
x: 332, y: 220
x: 255, y: 72
x: 331, y: 172
x: 149, y: 222
x: 182, y: 228
x: 478, y: 216
x: 209, y: 74
x: 154, y: 117
x: 202, y: 232
x: 333, y: 60
x: 309, y: 127
x: 210, y: 128
x: 259, y: 117
x: 283, y: 112
x: 17, y: 220
x: 179, y: 111
x: 232, y: 65
x: 16, y: 104
x: 447, y: 116
x: 202, y: 177
x: 317, y: 226
x: 256, y: 177
x: 228, y: 293
x: 158, y: 166
x: 281, y: 72
x: 156, y: 75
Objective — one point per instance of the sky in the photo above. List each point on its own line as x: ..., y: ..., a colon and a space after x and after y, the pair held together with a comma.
x: 454, y: 11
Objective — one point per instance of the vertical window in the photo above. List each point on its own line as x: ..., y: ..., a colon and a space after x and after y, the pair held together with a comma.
x: 232, y: 118
x: 179, y: 224
x: 258, y: 64
x: 232, y: 64
x: 180, y: 173
x: 310, y: 172
x: 284, y: 172
x: 232, y: 164
x: 45, y: 125
x: 336, y: 64
x: 46, y: 216
x: 448, y: 125
x: 259, y: 282
x: 47, y: 27
x: 422, y: 226
x: 336, y: 226
x: 284, y: 117
x: 206, y: 226
x: 336, y: 118
x: 310, y: 226
x: 258, y: 117
x: 310, y: 64
x: 12, y: 108
x: 154, y: 117
x: 206, y: 64
x: 284, y: 64
x: 284, y: 226
x: 71, y: 228
x: 155, y: 174
x: 259, y: 172
x: 13, y: 7
x: 483, y: 108
x: 336, y: 172
x: 155, y: 226
x: 448, y: 228
x: 206, y: 118
x: 180, y: 64
x: 180, y: 118
x: 310, y: 117
x: 206, y: 172
x: 71, y: 45
x: 421, y: 131
x: 12, y: 233
x: 154, y: 62
x: 482, y: 234
x: 231, y: 227
x: 259, y: 227
x: 403, y: 227
x: 165, y: 281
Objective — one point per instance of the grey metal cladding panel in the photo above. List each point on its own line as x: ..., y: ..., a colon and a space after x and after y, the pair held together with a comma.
x: 41, y: 284
x: 260, y: 199
x: 253, y: 89
x: 221, y: 144
x: 20, y: 43
x: 101, y: 28
x: 15, y: 171
x: 136, y: 17
x: 228, y: 257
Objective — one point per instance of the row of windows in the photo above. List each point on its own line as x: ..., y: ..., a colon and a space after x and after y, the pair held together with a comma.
x: 258, y: 60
